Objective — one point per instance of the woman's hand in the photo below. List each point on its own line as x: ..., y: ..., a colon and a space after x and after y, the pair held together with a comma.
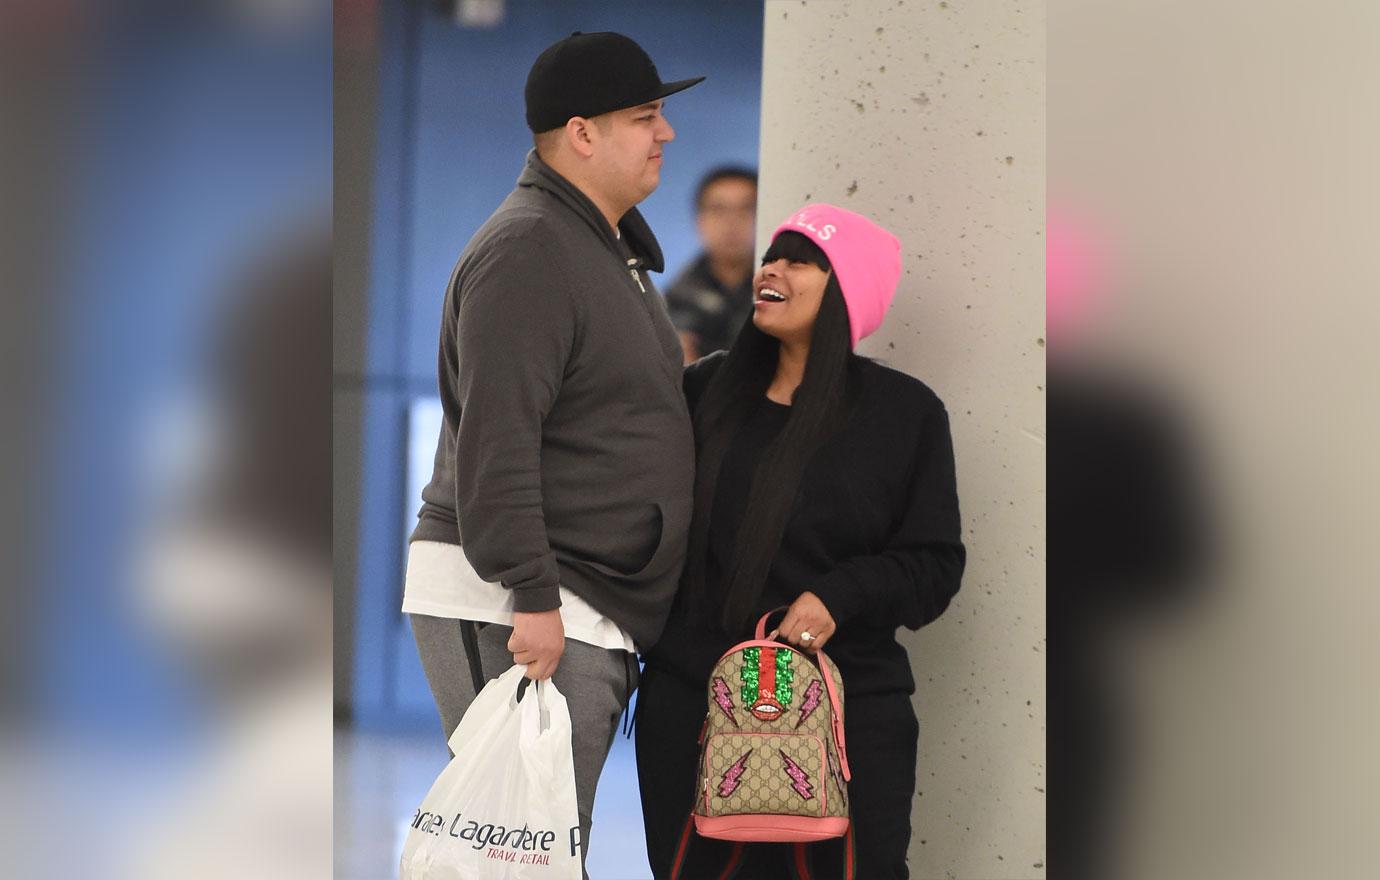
x: 806, y: 616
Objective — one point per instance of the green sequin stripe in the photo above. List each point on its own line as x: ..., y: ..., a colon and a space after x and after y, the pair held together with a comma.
x: 751, y: 658
x: 784, y: 676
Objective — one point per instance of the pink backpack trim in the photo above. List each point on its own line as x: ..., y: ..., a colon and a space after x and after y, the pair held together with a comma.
x: 771, y: 829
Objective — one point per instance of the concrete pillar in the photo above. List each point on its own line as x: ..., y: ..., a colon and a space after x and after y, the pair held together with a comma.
x: 929, y: 118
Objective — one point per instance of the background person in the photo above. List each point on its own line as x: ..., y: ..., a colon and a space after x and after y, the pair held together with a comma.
x: 712, y: 296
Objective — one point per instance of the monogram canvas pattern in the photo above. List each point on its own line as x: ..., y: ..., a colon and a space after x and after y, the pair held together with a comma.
x: 763, y: 773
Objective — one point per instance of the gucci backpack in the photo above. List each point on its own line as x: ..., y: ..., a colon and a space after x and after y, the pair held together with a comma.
x: 773, y: 765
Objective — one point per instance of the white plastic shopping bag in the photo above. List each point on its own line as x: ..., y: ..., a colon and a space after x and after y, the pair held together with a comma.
x: 504, y: 808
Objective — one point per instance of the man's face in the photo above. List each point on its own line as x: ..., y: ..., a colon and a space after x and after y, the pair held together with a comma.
x: 628, y: 151
x: 727, y: 219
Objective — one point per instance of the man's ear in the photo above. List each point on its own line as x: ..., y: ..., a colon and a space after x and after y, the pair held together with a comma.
x: 580, y: 134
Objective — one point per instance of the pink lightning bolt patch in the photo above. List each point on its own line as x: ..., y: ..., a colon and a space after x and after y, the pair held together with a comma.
x: 724, y: 699
x: 811, y: 701
x: 799, y: 781
x: 729, y: 783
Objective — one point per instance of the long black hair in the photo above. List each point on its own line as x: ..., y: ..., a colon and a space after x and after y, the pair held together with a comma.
x: 817, y: 411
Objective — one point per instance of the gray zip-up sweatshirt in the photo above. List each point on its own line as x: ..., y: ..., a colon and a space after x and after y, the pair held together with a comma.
x: 566, y: 457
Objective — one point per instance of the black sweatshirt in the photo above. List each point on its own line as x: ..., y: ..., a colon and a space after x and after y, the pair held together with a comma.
x: 875, y: 532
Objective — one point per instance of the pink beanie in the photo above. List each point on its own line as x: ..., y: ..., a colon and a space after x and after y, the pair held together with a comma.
x: 866, y: 258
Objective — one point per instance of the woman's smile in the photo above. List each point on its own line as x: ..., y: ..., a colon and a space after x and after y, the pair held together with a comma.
x: 767, y: 295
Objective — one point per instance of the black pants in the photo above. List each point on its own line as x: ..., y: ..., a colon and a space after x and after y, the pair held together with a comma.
x: 882, y: 734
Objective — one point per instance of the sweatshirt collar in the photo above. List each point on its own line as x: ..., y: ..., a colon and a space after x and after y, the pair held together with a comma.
x: 637, y: 235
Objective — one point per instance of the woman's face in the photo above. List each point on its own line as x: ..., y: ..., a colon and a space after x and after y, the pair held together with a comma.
x: 785, y: 298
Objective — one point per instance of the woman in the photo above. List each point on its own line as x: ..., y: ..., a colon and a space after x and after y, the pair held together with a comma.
x: 825, y: 482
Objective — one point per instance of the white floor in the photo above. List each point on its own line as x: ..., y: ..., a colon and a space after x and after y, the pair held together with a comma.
x: 380, y: 778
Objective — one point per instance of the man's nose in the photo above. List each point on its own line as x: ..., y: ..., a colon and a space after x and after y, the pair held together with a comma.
x: 667, y: 133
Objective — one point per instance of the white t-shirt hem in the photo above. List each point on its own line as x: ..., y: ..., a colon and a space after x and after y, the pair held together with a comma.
x: 441, y: 582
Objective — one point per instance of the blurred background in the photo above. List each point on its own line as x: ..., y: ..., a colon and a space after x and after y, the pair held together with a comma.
x: 1212, y: 286
x: 166, y: 216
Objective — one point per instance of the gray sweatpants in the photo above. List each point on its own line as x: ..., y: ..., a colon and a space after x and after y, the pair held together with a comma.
x: 596, y: 683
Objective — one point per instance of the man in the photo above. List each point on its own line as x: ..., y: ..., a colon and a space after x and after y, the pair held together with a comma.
x: 559, y: 505
x: 712, y: 298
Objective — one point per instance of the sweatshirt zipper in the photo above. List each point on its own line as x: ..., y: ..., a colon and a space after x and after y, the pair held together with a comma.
x: 673, y: 362
x: 632, y: 270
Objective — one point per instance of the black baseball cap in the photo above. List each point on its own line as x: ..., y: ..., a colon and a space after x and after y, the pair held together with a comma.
x: 589, y: 74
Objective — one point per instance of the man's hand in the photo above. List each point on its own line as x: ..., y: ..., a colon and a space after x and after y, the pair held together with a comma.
x: 537, y: 642
x: 807, y: 614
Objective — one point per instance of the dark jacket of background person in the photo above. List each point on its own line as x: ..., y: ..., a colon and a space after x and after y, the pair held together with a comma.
x: 566, y: 456
x: 875, y: 533
x: 700, y: 304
